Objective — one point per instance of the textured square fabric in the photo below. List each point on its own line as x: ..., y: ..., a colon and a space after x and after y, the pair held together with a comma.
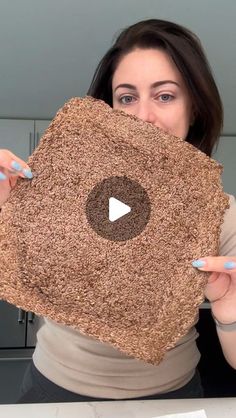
x: 137, y: 292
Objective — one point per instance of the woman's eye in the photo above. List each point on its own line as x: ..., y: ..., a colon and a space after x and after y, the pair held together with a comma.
x: 126, y: 99
x: 166, y: 97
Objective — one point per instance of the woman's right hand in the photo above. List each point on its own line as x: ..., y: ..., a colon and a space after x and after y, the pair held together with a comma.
x: 11, y: 168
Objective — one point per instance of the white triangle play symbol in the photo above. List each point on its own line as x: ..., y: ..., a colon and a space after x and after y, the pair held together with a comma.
x: 117, y: 209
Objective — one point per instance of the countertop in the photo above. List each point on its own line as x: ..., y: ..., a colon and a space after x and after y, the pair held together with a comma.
x: 214, y: 408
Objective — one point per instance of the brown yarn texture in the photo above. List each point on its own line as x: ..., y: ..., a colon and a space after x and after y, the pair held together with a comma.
x: 140, y: 295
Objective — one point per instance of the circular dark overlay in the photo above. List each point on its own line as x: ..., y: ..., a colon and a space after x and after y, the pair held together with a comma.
x: 130, y: 193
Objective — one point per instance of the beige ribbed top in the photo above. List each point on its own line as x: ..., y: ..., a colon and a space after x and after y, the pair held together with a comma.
x: 86, y: 366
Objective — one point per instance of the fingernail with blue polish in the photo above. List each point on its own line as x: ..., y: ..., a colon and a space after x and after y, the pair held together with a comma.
x: 2, y: 176
x: 198, y: 263
x: 16, y: 166
x: 229, y: 265
x: 28, y: 173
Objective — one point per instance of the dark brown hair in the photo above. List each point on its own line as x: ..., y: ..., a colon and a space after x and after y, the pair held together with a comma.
x: 186, y: 51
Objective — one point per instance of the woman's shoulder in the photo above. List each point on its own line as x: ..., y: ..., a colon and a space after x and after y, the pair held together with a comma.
x: 232, y: 200
x: 230, y: 213
x: 228, y: 229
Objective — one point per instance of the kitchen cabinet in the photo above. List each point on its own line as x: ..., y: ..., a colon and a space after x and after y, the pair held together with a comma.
x: 17, y: 327
x: 17, y: 136
x: 218, y: 377
x: 12, y: 326
x: 39, y: 128
x: 21, y: 136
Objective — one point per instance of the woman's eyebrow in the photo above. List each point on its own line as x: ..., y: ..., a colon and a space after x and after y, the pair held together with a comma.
x: 156, y: 84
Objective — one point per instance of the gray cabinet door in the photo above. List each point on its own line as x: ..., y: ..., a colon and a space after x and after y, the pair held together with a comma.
x: 40, y: 127
x: 21, y: 136
x: 12, y: 326
x: 17, y: 329
x: 34, y: 322
x: 226, y: 155
x: 17, y: 136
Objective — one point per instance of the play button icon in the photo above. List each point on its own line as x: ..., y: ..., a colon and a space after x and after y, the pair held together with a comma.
x: 118, y: 208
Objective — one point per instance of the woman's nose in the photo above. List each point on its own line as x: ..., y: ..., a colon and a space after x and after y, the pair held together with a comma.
x: 146, y: 113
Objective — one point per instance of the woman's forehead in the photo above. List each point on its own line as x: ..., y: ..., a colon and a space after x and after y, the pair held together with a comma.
x: 146, y: 64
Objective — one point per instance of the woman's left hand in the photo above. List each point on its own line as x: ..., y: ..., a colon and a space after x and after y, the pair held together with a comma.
x: 221, y: 286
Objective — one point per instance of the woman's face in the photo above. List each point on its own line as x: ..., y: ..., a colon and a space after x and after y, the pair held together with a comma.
x: 147, y: 84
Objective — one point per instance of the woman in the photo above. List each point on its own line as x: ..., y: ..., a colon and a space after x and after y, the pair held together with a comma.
x: 157, y: 71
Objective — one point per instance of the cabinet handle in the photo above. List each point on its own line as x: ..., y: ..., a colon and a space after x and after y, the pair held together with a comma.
x: 33, y: 142
x: 21, y: 316
x: 31, y: 145
x: 31, y: 317
x: 37, y: 139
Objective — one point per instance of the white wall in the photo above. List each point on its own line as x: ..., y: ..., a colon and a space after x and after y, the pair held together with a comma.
x: 50, y: 48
